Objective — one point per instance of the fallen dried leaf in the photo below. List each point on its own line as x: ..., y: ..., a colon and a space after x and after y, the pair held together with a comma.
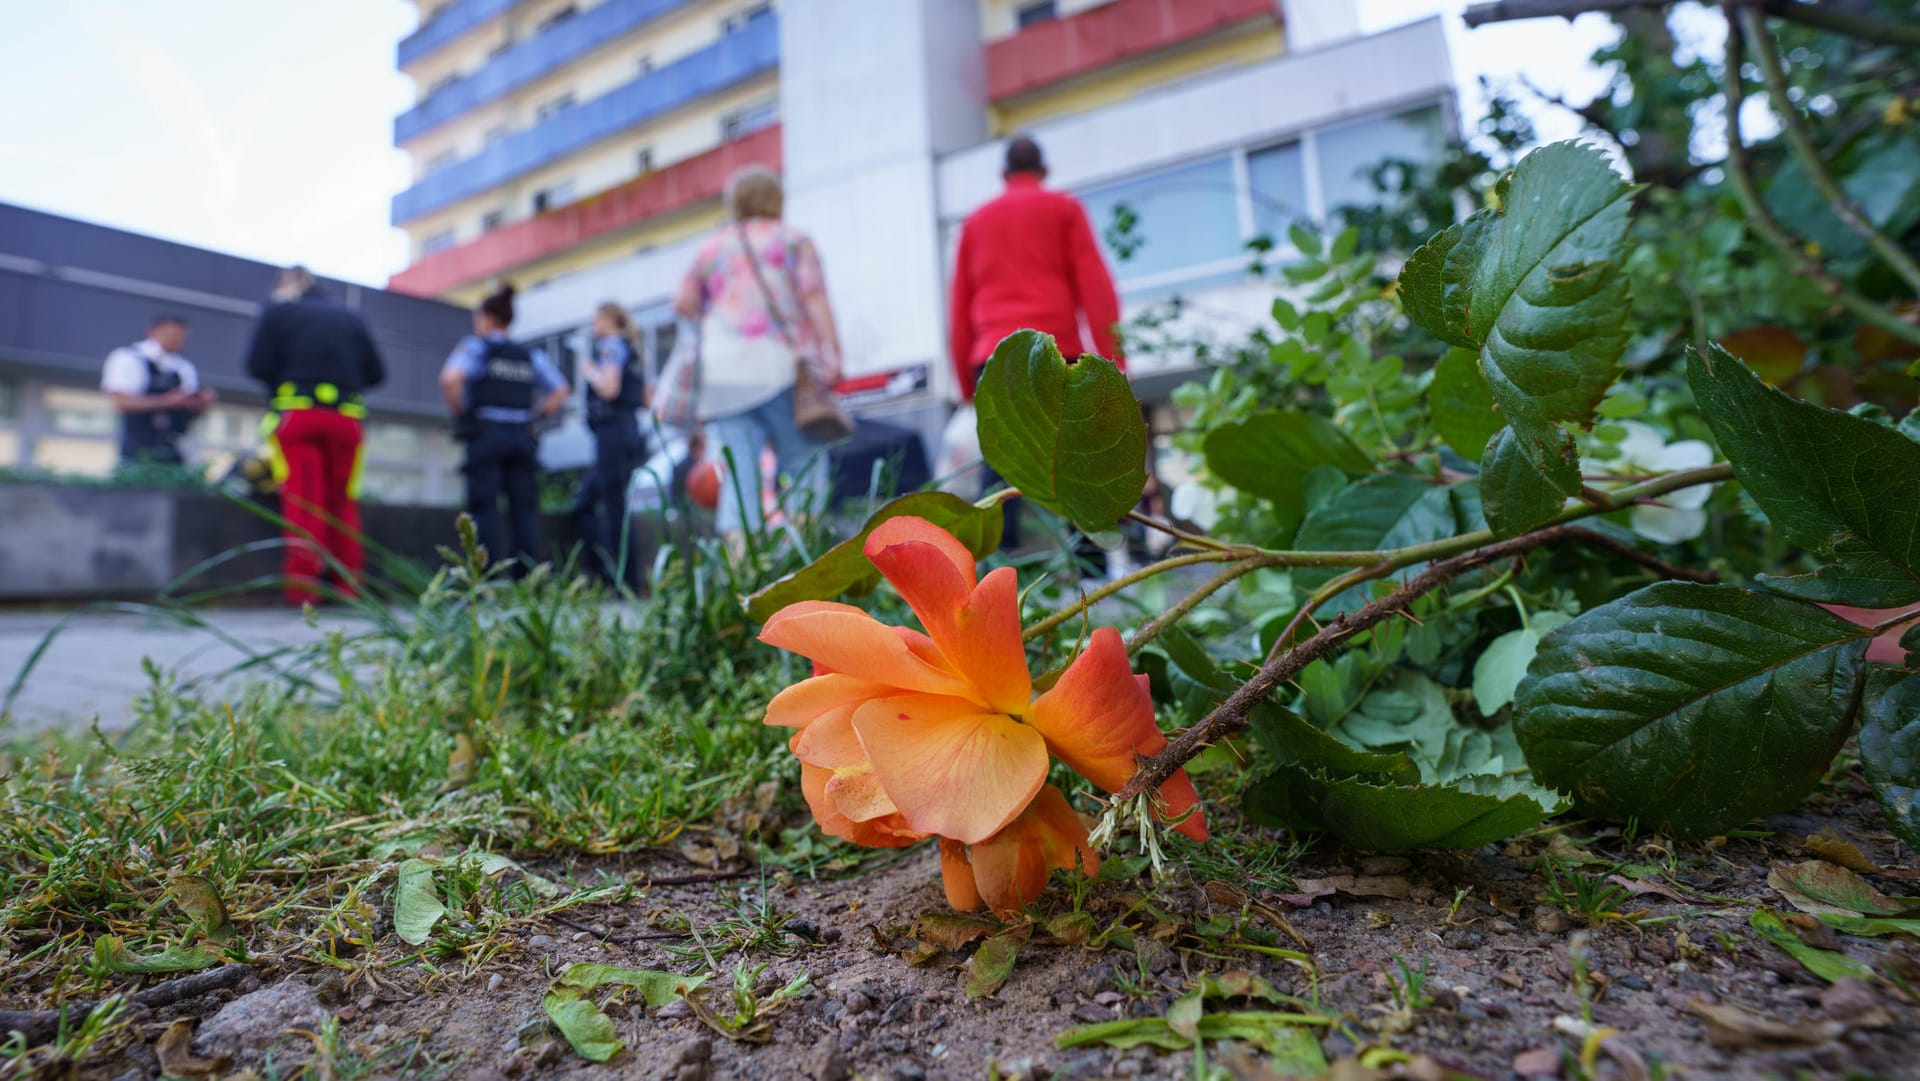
x: 1393, y: 886
x: 1819, y: 887
x: 1735, y: 1028
x: 174, y: 1049
x: 1641, y: 886
x: 1830, y: 846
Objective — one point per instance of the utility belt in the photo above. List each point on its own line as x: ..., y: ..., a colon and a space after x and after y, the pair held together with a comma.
x: 293, y: 397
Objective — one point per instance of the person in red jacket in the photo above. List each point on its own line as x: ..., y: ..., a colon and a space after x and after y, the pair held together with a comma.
x: 1028, y: 260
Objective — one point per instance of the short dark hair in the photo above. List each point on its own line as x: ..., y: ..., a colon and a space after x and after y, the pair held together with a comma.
x: 1023, y: 156
x: 165, y: 319
x: 499, y: 306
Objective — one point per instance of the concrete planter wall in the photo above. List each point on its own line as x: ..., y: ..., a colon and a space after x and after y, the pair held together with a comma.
x: 61, y: 543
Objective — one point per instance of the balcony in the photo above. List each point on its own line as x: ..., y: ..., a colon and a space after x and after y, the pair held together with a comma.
x: 454, y: 20
x: 1052, y: 52
x: 678, y: 186
x: 731, y: 60
x: 529, y: 60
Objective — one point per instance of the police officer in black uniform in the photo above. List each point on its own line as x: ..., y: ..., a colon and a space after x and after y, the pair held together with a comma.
x: 496, y: 388
x: 616, y: 392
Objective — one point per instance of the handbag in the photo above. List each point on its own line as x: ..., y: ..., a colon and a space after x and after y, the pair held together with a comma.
x: 817, y: 411
x: 676, y: 397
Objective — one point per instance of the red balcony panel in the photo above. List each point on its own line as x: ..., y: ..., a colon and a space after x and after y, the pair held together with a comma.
x: 1060, y: 49
x: 675, y: 187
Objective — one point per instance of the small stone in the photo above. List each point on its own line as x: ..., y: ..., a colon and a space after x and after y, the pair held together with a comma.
x: 1539, y: 1062
x: 1551, y: 921
x: 698, y: 1049
x: 346, y: 1014
x: 494, y: 981
x: 1472, y: 1011
x: 895, y: 1044
x: 1502, y: 927
x: 618, y: 919
x: 1091, y: 1014
x: 582, y: 936
x: 540, y: 942
x: 1096, y: 979
x: 830, y: 1063
x: 1634, y: 982
x: 678, y: 1008
x: 366, y: 1002
x: 857, y: 1003
x: 1460, y: 938
x: 255, y: 1021
x: 909, y: 1071
x: 806, y: 929
x: 1850, y: 999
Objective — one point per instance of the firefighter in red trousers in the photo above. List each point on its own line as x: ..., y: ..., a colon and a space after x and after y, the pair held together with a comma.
x: 316, y: 359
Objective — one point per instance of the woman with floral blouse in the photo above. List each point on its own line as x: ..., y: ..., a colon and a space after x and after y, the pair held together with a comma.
x: 758, y: 294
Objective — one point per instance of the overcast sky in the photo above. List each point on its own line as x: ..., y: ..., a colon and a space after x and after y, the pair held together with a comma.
x: 264, y: 128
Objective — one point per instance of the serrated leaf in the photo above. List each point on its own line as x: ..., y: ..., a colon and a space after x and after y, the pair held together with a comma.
x: 1516, y: 494
x: 1504, y: 662
x: 1386, y: 817
x: 416, y: 907
x: 1818, y: 886
x: 1536, y: 286
x: 1842, y: 487
x: 1068, y: 434
x: 1385, y: 510
x: 111, y: 952
x: 1270, y: 454
x: 991, y: 964
x: 1890, y: 751
x: 1692, y: 708
x: 845, y: 570
x: 1826, y: 964
x: 1462, y: 406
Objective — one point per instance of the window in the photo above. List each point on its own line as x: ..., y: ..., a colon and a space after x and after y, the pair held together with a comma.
x: 1031, y: 14
x: 440, y: 161
x: 1186, y: 217
x: 553, y: 198
x: 1278, y: 177
x: 1349, y: 153
x: 79, y: 412
x: 436, y: 242
x: 643, y: 160
x: 750, y: 119
x: 740, y: 20
x: 492, y: 219
x: 554, y: 106
x: 556, y: 19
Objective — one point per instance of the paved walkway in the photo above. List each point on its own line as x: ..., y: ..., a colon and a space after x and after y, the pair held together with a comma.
x: 96, y: 663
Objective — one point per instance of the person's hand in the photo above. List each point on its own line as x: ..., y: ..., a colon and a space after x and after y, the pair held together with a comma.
x: 176, y: 398
x: 205, y: 397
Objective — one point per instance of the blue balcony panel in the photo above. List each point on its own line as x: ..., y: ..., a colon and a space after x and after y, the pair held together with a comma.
x: 529, y: 60
x: 458, y: 18
x: 733, y: 59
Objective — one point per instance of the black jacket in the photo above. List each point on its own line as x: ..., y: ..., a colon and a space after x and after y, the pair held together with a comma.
x: 314, y: 340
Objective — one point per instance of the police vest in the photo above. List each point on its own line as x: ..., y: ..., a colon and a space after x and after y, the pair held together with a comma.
x: 602, y: 412
x: 507, y: 379
x: 145, y: 433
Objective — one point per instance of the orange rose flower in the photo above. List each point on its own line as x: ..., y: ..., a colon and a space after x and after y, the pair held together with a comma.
x: 903, y: 736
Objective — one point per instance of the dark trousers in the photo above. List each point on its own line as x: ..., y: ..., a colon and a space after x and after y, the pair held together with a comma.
x: 501, y: 461
x: 619, y: 449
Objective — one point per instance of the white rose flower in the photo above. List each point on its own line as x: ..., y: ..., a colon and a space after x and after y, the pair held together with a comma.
x: 1196, y: 503
x: 1679, y: 516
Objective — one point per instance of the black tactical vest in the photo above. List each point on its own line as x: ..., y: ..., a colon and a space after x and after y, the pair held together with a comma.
x: 601, y: 412
x: 155, y: 436
x: 507, y: 379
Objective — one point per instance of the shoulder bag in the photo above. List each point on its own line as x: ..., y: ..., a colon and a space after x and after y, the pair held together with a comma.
x: 817, y: 411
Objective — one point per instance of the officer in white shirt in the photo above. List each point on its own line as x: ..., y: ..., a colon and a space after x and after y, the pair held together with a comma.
x: 156, y: 391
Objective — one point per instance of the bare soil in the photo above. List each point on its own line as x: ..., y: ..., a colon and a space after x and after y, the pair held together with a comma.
x: 1502, y: 991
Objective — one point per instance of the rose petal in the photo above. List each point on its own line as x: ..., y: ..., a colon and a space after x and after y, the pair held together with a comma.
x: 856, y: 793
x: 853, y: 643
x: 889, y: 832
x: 800, y: 704
x: 1098, y: 719
x: 956, y: 874
x: 1010, y: 869
x: 950, y: 768
x: 829, y: 742
x: 1667, y: 525
x: 977, y: 628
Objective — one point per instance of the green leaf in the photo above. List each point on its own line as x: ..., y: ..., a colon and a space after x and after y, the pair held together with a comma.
x: 588, y: 1030
x: 1890, y: 752
x: 1068, y: 434
x: 992, y: 963
x: 1516, y: 494
x: 1462, y: 406
x: 569, y: 1004
x: 1288, y: 739
x: 1818, y: 886
x: 1504, y: 662
x: 1304, y: 236
x: 199, y: 898
x: 416, y: 907
x: 111, y: 952
x: 1842, y: 487
x: 1386, y: 817
x: 1826, y: 964
x: 1282, y: 1035
x: 845, y: 570
x: 1870, y: 926
x: 1538, y: 288
x: 1271, y: 453
x: 1692, y: 708
x: 1385, y: 510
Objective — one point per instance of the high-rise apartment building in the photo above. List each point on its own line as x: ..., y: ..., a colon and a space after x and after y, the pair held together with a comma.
x: 579, y: 147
